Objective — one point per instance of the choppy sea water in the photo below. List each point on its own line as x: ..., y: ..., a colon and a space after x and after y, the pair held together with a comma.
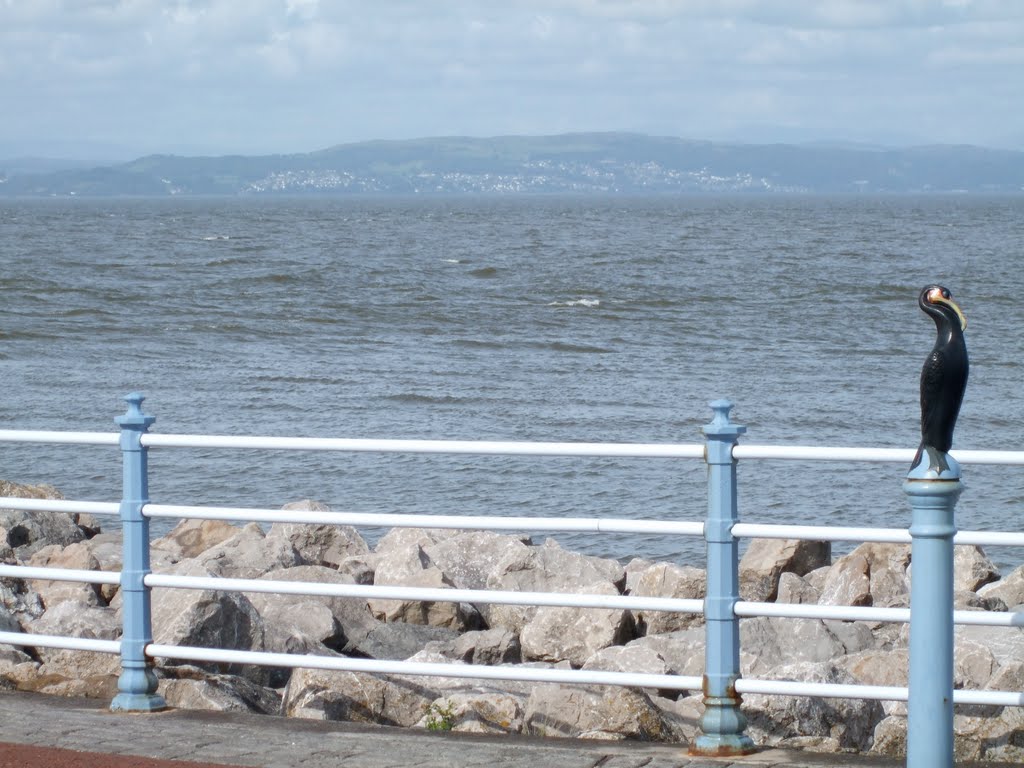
x: 561, y: 319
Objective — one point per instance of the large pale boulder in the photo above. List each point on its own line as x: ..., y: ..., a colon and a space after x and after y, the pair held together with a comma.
x: 668, y: 580
x: 320, y: 544
x: 207, y: 619
x: 190, y: 538
x: 411, y: 566
x: 682, y: 652
x: 814, y: 723
x: 606, y: 712
x: 294, y: 621
x: 767, y: 559
x: 796, y: 590
x: 574, y: 634
x: 332, y: 695
x: 872, y: 574
x: 189, y: 687
x: 547, y: 568
x: 972, y: 569
x: 89, y: 621
x: 767, y: 642
x: 76, y: 556
x: 248, y: 554
x: 468, y: 558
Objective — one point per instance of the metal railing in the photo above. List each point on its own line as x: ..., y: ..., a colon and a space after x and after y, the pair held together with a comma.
x: 723, y: 724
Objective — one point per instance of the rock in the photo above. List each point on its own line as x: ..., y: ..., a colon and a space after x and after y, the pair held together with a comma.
x: 248, y: 554
x: 796, y: 590
x: 190, y: 538
x: 668, y: 580
x: 634, y: 569
x: 398, y: 641
x: 872, y: 574
x: 848, y: 582
x: 333, y: 695
x: 207, y: 619
x: 108, y: 550
x: 328, y: 545
x: 767, y: 559
x: 351, y: 616
x: 1009, y: 589
x: 548, y: 568
x: 606, y: 712
x: 19, y: 599
x: 468, y: 559
x: 810, y: 722
x: 475, y: 712
x: 401, y: 538
x: 28, y: 532
x: 490, y: 647
x: 574, y: 634
x: 76, y: 556
x: 767, y: 643
x: 188, y: 687
x: 84, y: 620
x: 972, y: 569
x: 682, y: 652
x: 411, y: 566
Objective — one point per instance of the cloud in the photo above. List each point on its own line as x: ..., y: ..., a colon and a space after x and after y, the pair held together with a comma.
x: 297, y: 74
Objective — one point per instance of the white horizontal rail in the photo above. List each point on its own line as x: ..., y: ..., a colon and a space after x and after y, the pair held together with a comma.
x: 821, y: 690
x: 747, y: 609
x: 820, y: 533
x: 480, y: 523
x: 60, y: 505
x: 899, y: 455
x: 60, y: 574
x: 430, y: 669
x: 615, y: 602
x: 880, y: 535
x: 479, y: 447
x: 56, y: 641
x: 66, y: 438
x: 822, y: 453
x: 875, y: 692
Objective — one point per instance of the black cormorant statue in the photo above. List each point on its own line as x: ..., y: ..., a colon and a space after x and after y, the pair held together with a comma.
x: 943, y: 380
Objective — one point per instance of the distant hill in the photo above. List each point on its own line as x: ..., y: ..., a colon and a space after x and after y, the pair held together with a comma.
x: 594, y: 163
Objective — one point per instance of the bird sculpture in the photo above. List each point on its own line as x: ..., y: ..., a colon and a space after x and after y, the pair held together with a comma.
x: 943, y: 380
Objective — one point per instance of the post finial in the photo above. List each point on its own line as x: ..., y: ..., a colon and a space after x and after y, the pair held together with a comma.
x: 134, y: 418
x: 721, y: 425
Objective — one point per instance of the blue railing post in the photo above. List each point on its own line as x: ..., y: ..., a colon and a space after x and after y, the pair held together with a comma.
x: 137, y: 683
x: 723, y: 723
x: 930, y: 707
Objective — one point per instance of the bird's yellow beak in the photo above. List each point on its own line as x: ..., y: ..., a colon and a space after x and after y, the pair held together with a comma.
x: 935, y: 297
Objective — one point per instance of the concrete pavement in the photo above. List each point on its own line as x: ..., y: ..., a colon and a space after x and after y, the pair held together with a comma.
x: 261, y: 741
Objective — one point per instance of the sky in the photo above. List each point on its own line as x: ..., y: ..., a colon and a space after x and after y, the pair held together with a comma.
x: 115, y: 79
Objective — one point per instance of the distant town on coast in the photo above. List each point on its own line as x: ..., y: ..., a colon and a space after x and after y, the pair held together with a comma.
x: 582, y: 163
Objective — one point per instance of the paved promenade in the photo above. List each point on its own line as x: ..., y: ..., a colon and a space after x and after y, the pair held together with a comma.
x: 31, y: 724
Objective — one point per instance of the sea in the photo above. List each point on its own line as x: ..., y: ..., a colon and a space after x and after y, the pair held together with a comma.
x: 542, y: 318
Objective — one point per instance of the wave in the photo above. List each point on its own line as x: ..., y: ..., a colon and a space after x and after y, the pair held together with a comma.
x: 212, y: 238
x: 576, y: 303
x: 484, y: 272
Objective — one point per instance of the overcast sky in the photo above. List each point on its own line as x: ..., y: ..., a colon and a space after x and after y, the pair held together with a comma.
x: 261, y: 76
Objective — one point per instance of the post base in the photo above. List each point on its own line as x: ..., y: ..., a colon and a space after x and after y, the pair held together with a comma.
x: 723, y: 724
x: 726, y: 745
x: 138, y: 702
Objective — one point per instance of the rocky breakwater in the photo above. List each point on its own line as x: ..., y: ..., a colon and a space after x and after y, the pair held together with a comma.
x: 462, y: 634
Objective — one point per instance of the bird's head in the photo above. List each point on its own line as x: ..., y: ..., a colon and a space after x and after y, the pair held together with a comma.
x: 937, y: 302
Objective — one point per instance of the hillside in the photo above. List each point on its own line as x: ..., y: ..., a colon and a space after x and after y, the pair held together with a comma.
x: 599, y: 163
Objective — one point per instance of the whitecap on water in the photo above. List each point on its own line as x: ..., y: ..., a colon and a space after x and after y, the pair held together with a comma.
x: 576, y: 303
